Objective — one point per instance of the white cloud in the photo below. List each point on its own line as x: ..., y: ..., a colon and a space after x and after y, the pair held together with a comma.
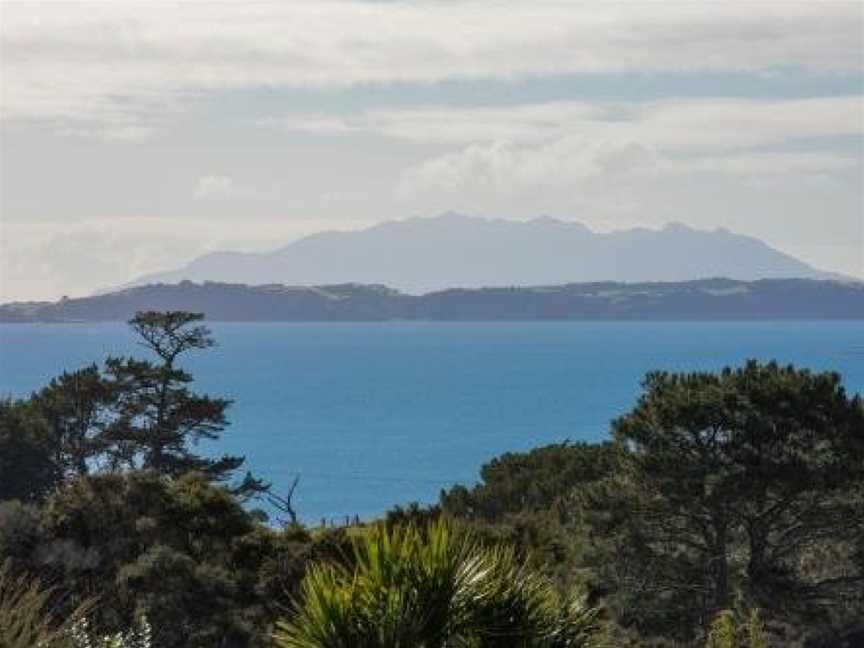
x: 49, y: 259
x: 131, y: 62
x: 123, y: 70
x: 673, y: 124
x: 761, y: 167
x: 532, y: 149
x: 590, y: 175
x: 214, y: 186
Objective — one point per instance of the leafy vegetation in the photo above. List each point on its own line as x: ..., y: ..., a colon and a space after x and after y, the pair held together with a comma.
x: 131, y: 414
x: 742, y: 487
x: 726, y: 632
x: 433, y: 589
x: 27, y: 617
x: 737, y: 481
x: 80, y: 636
x: 104, y: 498
x: 717, y: 494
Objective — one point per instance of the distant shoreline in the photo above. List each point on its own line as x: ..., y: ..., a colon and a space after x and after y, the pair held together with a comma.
x: 571, y: 320
x: 703, y: 300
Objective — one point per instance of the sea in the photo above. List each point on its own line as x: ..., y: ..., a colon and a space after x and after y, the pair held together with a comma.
x: 374, y: 415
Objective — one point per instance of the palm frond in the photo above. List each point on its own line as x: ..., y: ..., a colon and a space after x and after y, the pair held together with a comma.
x: 433, y: 588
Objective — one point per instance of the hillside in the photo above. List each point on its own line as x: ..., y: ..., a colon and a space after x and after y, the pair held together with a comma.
x: 711, y: 299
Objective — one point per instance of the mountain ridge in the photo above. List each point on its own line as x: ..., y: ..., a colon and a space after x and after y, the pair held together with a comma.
x: 420, y: 255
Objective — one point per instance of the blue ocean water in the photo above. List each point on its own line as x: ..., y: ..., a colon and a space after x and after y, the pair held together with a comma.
x: 373, y: 415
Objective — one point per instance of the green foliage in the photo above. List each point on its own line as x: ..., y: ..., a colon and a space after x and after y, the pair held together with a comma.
x: 27, y: 470
x: 168, y: 550
x: 79, y: 635
x: 182, y: 551
x: 531, y: 482
x: 158, y: 418
x: 730, y: 481
x: 525, y: 500
x: 726, y: 631
x: 76, y: 409
x: 28, y: 617
x: 756, y: 636
x: 162, y: 539
x: 130, y: 414
x: 432, y: 588
x: 743, y: 486
x: 20, y: 530
x: 722, y: 633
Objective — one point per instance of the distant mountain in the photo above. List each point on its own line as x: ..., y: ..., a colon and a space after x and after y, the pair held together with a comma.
x: 709, y: 299
x: 424, y: 254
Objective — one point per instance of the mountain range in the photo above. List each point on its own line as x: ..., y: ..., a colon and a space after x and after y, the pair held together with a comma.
x: 428, y: 254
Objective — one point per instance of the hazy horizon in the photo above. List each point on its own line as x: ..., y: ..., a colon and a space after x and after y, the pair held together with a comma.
x: 136, y: 137
x: 450, y: 230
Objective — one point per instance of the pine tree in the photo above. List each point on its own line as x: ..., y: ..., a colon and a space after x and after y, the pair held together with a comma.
x: 159, y: 418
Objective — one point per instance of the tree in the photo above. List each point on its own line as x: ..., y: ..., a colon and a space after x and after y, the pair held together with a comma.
x: 283, y: 503
x: 529, y: 482
x: 738, y: 480
x: 159, y: 418
x: 166, y: 547
x: 432, y: 588
x: 130, y: 414
x: 76, y: 406
x: 524, y: 500
x: 27, y: 469
x: 181, y: 551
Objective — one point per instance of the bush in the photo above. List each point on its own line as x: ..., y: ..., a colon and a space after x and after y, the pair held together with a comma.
x: 79, y: 635
x: 433, y: 587
x: 27, y: 615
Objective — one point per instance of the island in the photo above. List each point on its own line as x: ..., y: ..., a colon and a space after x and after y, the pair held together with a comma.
x: 699, y: 300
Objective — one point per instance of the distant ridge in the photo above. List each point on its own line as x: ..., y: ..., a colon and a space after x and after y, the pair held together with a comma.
x: 708, y: 299
x: 425, y: 254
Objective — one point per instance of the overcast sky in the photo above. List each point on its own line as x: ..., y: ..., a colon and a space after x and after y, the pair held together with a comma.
x: 136, y: 136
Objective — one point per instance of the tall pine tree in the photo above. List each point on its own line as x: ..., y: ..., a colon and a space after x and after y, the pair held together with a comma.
x: 159, y: 418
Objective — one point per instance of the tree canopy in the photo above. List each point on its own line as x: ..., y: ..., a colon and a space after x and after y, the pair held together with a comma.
x: 749, y: 469
x: 131, y: 413
x: 718, y: 494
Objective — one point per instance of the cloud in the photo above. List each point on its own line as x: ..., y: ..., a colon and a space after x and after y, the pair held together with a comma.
x: 592, y: 167
x: 773, y: 168
x: 602, y: 155
x: 533, y: 149
x: 46, y: 260
x: 131, y: 64
x: 714, y: 123
x: 205, y: 72
x: 49, y: 259
x: 214, y: 186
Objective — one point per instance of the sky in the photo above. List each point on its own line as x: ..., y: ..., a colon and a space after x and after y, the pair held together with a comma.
x: 137, y: 136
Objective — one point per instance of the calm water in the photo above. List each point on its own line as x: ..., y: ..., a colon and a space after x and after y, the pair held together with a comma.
x: 371, y: 415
